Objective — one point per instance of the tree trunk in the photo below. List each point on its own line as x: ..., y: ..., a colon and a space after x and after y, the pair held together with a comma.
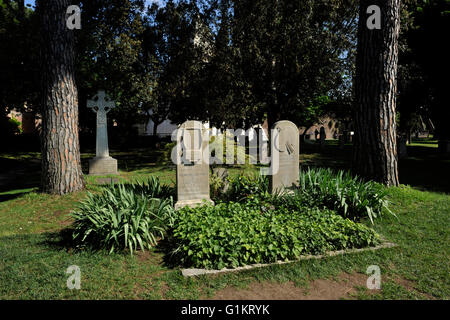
x: 302, y: 136
x: 61, y: 165
x: 155, y: 127
x: 375, y: 144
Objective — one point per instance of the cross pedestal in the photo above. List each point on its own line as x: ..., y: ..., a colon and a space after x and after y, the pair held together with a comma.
x: 103, y: 163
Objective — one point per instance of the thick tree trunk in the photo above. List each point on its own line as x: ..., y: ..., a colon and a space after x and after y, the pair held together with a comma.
x: 375, y: 145
x: 61, y: 165
x: 155, y: 127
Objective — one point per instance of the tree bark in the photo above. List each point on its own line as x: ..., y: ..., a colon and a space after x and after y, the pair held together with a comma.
x: 375, y: 144
x: 61, y: 165
x: 155, y: 127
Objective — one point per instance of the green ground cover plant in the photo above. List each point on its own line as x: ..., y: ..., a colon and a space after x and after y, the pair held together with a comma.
x: 321, y: 188
x: 234, y: 234
x: 248, y: 224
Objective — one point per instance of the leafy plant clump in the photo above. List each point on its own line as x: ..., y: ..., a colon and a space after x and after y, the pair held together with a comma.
x: 233, y: 234
x: 243, y: 188
x: 349, y: 196
x: 151, y: 188
x: 122, y: 218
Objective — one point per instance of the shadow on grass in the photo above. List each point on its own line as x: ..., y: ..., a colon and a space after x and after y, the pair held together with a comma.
x: 424, y: 168
x: 171, y: 259
x: 18, y: 174
x: 12, y: 196
x: 61, y: 240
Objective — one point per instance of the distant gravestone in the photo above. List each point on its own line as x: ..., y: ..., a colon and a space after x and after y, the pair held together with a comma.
x: 102, y: 164
x: 192, y: 165
x: 285, y: 149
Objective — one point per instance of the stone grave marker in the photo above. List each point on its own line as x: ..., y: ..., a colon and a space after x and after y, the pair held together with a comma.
x: 285, y: 148
x: 103, y: 163
x: 192, y: 165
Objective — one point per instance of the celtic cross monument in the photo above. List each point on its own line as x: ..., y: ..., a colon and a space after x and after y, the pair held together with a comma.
x: 102, y: 164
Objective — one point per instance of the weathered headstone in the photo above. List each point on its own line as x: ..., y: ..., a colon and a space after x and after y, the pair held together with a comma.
x: 192, y: 165
x: 102, y: 164
x: 285, y: 149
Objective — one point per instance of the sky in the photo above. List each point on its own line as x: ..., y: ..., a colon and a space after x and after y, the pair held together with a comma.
x: 147, y: 2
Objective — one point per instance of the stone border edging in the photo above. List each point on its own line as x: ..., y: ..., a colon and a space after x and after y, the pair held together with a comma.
x: 198, y: 272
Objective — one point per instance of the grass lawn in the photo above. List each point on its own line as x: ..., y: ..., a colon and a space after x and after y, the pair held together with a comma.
x: 33, y: 257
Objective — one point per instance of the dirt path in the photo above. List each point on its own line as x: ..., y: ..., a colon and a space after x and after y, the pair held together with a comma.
x: 321, y: 289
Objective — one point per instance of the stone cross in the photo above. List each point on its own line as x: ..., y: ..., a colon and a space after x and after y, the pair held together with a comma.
x: 102, y: 164
x: 101, y: 104
x: 285, y: 149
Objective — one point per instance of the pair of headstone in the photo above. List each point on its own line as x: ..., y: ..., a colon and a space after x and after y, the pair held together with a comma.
x: 192, y: 156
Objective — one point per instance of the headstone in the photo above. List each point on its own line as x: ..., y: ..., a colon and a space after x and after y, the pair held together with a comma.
x: 285, y: 149
x: 102, y: 164
x: 192, y: 165
x: 401, y: 148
